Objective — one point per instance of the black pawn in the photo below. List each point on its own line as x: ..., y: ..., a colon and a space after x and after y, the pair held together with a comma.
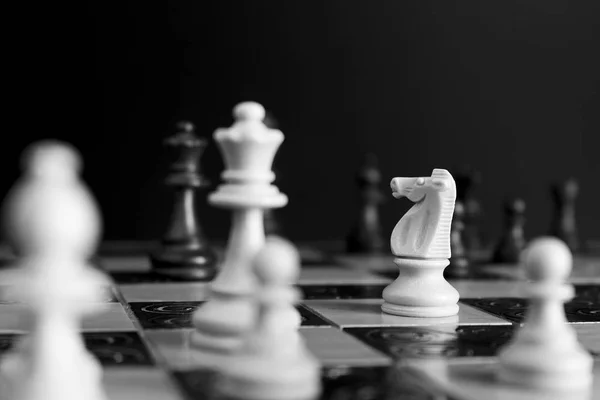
x: 563, y: 225
x: 459, y: 262
x: 184, y: 251
x: 365, y: 236
x: 512, y: 242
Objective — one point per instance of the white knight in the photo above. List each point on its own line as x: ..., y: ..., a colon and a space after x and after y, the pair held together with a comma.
x: 421, y: 243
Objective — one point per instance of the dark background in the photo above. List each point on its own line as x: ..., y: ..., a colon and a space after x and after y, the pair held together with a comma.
x: 509, y: 87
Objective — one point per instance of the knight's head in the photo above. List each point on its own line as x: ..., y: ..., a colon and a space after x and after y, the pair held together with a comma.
x: 411, y: 188
x: 415, y: 189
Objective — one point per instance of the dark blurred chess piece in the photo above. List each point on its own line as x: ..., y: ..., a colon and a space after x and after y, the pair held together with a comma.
x: 459, y: 262
x: 272, y: 226
x: 564, y: 227
x: 467, y: 179
x: 512, y: 242
x: 271, y: 216
x: 366, y: 236
x: 184, y: 252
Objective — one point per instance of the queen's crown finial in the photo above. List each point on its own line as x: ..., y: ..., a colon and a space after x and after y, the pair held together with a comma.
x: 249, y: 110
x: 248, y: 146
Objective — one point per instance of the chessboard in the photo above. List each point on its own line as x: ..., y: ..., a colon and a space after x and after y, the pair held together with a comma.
x: 141, y: 335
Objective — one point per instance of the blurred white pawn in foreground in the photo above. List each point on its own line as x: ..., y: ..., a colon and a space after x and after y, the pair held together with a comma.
x: 273, y: 362
x: 53, y: 224
x: 544, y: 353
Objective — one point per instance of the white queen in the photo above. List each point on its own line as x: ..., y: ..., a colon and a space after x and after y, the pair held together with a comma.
x: 248, y: 148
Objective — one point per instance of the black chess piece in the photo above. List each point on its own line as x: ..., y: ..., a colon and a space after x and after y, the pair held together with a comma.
x: 512, y: 242
x: 271, y: 222
x: 271, y: 217
x: 563, y: 226
x: 467, y: 181
x: 184, y: 251
x: 459, y: 261
x: 366, y: 236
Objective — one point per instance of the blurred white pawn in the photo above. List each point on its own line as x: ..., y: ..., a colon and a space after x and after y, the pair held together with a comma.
x: 273, y: 362
x: 53, y: 223
x: 545, y: 353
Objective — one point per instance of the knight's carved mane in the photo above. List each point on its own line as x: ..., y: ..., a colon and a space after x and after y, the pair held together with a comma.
x: 424, y: 231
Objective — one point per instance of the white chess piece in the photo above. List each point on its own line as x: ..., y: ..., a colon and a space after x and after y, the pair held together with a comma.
x: 545, y: 353
x: 273, y: 362
x: 248, y: 148
x: 421, y: 243
x: 53, y: 223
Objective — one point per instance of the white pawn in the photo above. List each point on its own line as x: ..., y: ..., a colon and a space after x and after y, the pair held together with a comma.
x: 273, y: 362
x: 545, y: 353
x: 53, y: 224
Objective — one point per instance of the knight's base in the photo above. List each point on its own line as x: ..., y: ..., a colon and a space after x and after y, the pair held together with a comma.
x: 420, y: 290
x: 420, y: 312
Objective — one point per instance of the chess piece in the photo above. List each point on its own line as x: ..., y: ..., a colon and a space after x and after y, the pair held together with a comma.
x: 366, y: 236
x: 421, y: 243
x: 51, y: 218
x: 564, y: 225
x: 512, y: 242
x: 184, y: 251
x: 272, y: 221
x: 271, y: 218
x: 544, y: 353
x: 459, y: 262
x: 273, y: 362
x: 248, y: 148
x: 466, y: 183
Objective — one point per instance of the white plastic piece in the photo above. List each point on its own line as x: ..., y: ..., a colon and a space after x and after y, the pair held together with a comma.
x: 53, y: 223
x: 421, y: 243
x: 273, y: 362
x: 544, y: 353
x: 248, y: 148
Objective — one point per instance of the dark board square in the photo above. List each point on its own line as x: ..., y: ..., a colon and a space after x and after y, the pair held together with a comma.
x: 118, y: 348
x: 588, y: 292
x: 509, y: 308
x: 165, y: 315
x: 309, y: 318
x: 475, y: 272
x: 111, y: 348
x: 326, y: 292
x: 435, y: 341
x: 178, y: 314
x: 583, y: 308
